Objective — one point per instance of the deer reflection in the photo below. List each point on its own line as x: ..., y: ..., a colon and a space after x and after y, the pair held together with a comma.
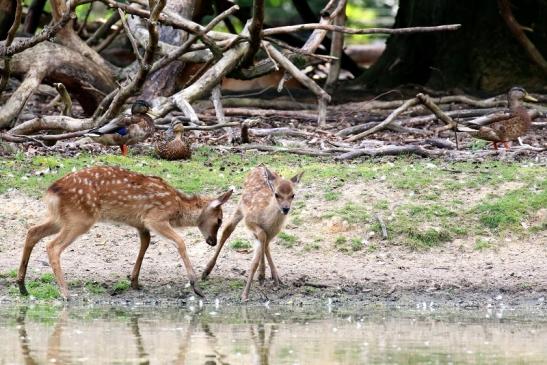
x: 135, y: 330
x: 262, y: 343
x: 54, y: 353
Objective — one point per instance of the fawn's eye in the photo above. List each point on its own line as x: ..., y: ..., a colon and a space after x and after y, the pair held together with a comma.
x: 292, y: 196
x: 277, y: 195
x: 219, y: 221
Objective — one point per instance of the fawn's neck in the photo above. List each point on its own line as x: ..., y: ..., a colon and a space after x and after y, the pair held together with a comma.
x: 189, y: 209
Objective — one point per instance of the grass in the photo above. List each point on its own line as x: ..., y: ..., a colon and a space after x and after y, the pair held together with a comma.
x: 286, y: 240
x: 121, y: 285
x: 240, y: 244
x: 44, y: 288
x: 482, y: 244
x: 342, y: 244
x: 424, y: 203
x: 96, y: 288
x: 12, y: 274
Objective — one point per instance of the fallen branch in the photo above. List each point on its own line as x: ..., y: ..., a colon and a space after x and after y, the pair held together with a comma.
x: 52, y: 122
x: 255, y: 29
x: 336, y: 28
x: 277, y: 149
x: 283, y: 131
x: 65, y: 97
x: 407, y: 104
x: 323, y: 97
x: 426, y: 100
x: 386, y: 151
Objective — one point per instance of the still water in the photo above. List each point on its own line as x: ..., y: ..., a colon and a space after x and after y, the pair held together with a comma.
x: 211, y: 335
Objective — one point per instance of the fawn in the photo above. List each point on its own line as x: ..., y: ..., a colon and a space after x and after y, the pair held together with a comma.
x: 80, y: 199
x: 264, y: 205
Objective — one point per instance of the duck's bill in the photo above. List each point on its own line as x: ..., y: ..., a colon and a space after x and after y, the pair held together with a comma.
x: 530, y: 98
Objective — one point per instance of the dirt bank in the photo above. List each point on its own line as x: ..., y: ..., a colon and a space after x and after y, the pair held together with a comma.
x: 514, y: 273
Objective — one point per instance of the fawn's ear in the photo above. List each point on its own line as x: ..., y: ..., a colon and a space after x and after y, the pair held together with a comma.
x: 221, y: 199
x: 296, y: 178
x: 270, y: 175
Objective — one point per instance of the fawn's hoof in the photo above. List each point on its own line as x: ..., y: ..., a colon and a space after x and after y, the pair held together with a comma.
x: 22, y: 288
x: 198, y: 291
x: 205, y: 275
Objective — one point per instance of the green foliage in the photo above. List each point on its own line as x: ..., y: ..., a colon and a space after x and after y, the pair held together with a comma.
x: 240, y: 244
x: 43, y: 288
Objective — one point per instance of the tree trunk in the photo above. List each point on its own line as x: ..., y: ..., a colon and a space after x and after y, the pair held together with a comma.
x: 7, y: 14
x: 164, y: 82
x: 482, y: 55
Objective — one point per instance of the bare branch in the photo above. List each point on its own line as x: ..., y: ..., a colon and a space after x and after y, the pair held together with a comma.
x: 407, y: 104
x: 255, y: 30
x: 336, y: 49
x: 65, y: 97
x: 104, y: 28
x: 387, y: 151
x: 518, y: 33
x: 131, y: 38
x: 426, y: 100
x: 335, y: 28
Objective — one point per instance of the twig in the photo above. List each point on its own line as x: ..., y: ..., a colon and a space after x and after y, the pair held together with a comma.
x: 65, y: 97
x: 518, y: 33
x: 336, y: 28
x: 276, y: 149
x: 386, y: 151
x: 131, y: 38
x: 165, y: 60
x: 136, y: 84
x: 426, y: 100
x: 86, y: 17
x: 108, y: 40
x: 322, y: 95
x: 104, y: 28
x: 5, y: 73
x: 47, y: 33
x: 215, y: 98
x: 407, y: 104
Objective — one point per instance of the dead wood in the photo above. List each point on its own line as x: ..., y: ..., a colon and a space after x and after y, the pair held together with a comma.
x: 255, y: 29
x: 53, y: 62
x: 48, y: 32
x: 134, y: 85
x: 322, y: 96
x: 336, y: 28
x: 264, y: 113
x: 103, y: 29
x: 277, y: 149
x: 52, y: 122
x: 283, y: 131
x: 5, y: 72
x: 387, y: 151
x: 407, y: 104
x: 336, y: 49
x: 234, y: 101
x: 441, y: 143
x: 518, y: 33
x: 65, y: 97
x: 462, y: 113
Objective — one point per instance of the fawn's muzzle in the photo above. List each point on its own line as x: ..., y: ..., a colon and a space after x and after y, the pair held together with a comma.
x: 211, y: 241
x: 285, y: 210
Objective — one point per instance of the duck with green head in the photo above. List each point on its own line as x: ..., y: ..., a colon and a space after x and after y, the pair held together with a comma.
x: 126, y: 130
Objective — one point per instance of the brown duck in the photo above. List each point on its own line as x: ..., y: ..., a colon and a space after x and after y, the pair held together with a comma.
x: 176, y: 148
x: 126, y: 130
x: 509, y: 129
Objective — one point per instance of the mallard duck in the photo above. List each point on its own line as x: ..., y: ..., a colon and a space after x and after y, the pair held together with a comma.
x: 176, y: 148
x: 126, y: 130
x: 509, y: 129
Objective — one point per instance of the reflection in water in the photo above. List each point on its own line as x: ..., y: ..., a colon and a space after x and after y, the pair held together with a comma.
x: 259, y: 336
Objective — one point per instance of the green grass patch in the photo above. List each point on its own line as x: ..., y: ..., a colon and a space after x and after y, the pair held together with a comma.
x: 44, y: 288
x: 121, y: 285
x: 240, y: 244
x: 286, y: 240
x: 12, y: 274
x: 508, y: 211
x: 96, y: 288
x: 482, y: 244
x: 351, y: 212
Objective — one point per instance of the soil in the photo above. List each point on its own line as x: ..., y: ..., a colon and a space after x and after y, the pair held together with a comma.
x: 514, y: 273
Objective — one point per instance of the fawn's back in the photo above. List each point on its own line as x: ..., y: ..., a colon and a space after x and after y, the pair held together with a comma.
x: 110, y: 193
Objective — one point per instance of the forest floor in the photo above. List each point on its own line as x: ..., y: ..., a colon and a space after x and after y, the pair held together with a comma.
x: 458, y: 233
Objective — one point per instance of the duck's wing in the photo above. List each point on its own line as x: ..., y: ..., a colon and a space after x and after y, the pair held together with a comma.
x: 111, y: 126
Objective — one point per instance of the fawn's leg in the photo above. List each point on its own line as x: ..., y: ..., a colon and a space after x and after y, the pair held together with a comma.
x: 34, y: 234
x: 54, y: 249
x: 262, y: 269
x: 165, y: 229
x: 144, y: 235
x: 236, y: 218
x: 259, y: 254
x: 275, y: 274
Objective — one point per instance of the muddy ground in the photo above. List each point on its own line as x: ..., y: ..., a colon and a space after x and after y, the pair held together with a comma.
x: 454, y: 274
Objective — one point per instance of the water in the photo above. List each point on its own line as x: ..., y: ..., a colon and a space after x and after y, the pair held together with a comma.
x: 259, y: 335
